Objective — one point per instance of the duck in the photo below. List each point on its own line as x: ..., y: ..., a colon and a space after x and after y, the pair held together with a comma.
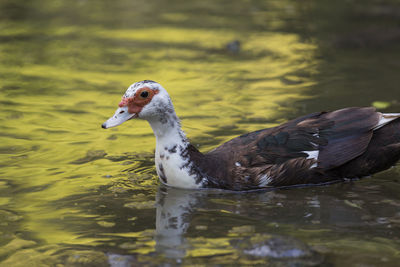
x: 315, y: 149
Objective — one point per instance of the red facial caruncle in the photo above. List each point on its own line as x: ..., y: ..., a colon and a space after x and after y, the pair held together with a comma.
x: 141, y: 98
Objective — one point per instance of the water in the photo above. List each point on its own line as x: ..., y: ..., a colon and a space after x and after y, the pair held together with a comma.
x: 74, y: 194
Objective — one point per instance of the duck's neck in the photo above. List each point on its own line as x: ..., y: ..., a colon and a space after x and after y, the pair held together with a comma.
x: 168, y: 130
x: 174, y: 163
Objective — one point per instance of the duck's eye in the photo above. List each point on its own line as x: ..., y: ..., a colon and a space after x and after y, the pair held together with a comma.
x: 144, y: 94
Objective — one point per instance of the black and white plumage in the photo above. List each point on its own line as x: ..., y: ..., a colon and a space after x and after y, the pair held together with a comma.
x: 315, y: 149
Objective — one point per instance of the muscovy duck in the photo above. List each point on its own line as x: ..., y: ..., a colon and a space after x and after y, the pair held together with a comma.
x: 318, y: 148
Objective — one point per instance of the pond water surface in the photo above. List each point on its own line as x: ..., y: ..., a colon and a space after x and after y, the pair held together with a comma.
x: 73, y: 194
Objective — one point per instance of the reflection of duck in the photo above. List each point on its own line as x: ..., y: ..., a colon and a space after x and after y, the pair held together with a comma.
x: 262, y: 224
x: 174, y: 211
x: 318, y: 148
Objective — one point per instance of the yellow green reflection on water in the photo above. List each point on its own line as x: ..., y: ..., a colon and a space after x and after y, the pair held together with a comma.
x: 54, y: 128
x: 69, y: 187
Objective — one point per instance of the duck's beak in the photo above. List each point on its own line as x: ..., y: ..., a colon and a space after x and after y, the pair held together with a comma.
x: 119, y: 117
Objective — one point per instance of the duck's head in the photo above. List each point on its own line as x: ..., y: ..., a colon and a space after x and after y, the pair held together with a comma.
x: 145, y: 100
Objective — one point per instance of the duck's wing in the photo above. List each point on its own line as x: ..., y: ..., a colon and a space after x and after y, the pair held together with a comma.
x: 299, y: 151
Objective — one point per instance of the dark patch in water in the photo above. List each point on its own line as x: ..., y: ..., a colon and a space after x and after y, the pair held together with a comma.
x: 90, y: 156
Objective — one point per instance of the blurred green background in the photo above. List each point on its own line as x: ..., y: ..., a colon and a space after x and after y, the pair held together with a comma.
x: 73, y: 194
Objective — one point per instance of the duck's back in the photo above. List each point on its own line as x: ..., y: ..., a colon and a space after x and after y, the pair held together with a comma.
x: 317, y: 148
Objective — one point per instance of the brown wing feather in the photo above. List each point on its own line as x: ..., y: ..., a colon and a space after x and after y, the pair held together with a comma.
x: 347, y: 136
x: 340, y: 136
